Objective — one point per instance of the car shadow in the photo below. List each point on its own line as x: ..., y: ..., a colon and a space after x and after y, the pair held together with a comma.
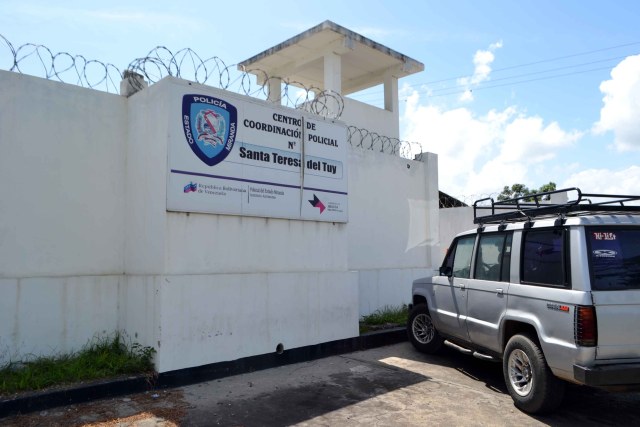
x: 290, y: 404
x: 581, y: 405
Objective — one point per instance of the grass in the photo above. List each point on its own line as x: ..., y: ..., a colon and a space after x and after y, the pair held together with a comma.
x: 385, y: 317
x: 100, y: 358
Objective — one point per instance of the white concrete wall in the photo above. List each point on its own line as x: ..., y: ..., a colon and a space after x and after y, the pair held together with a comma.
x: 87, y: 246
x: 61, y: 214
x: 374, y: 119
x: 204, y: 244
x: 140, y: 309
x: 55, y: 315
x: 62, y: 168
x: 218, y: 317
x: 227, y: 286
x: 393, y: 215
x: 452, y: 222
x: 146, y: 176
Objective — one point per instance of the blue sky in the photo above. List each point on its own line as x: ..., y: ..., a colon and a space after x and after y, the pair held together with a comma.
x: 513, y: 91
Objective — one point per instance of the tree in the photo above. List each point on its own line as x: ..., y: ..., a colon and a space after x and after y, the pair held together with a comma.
x: 551, y: 186
x: 521, y: 190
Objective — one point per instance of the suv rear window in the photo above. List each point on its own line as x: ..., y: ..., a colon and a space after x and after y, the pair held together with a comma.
x: 614, y: 258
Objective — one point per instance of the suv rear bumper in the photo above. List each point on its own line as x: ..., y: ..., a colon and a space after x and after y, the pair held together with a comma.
x: 608, y: 375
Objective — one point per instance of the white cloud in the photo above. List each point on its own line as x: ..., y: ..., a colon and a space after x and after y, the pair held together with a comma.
x: 482, y: 60
x: 480, y: 154
x: 529, y: 139
x: 621, y: 110
x: 605, y: 181
x: 466, y: 96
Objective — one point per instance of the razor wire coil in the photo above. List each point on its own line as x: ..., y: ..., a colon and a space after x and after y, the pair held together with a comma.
x: 37, y: 59
x: 160, y: 62
x: 458, y: 201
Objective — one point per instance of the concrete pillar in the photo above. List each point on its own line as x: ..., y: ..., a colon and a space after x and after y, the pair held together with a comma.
x: 274, y: 89
x: 391, y: 93
x: 391, y: 102
x: 332, y: 81
x: 333, y: 72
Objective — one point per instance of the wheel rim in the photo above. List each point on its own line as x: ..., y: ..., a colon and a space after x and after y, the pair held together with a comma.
x: 520, y: 372
x: 423, y: 329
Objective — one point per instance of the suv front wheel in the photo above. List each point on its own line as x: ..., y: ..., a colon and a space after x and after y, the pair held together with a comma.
x: 422, y: 334
x: 530, y: 382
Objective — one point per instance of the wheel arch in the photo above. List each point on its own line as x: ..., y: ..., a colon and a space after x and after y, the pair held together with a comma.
x: 512, y: 327
x: 419, y: 299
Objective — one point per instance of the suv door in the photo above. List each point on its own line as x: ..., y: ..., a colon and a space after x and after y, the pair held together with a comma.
x: 450, y: 302
x: 487, y: 293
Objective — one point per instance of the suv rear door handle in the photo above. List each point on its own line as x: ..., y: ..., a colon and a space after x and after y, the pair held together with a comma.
x: 500, y: 291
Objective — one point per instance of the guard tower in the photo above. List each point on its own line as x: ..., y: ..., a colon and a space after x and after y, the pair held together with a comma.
x: 329, y: 57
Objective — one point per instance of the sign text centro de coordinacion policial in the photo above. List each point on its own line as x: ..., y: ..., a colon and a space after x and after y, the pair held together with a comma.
x: 283, y: 159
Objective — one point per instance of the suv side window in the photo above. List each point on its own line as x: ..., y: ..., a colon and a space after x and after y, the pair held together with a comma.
x: 459, y: 258
x: 494, y: 257
x: 543, y: 257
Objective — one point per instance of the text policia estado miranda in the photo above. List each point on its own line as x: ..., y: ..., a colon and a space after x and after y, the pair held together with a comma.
x: 281, y: 159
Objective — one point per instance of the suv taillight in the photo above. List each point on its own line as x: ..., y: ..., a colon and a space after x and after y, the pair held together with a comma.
x: 586, y: 326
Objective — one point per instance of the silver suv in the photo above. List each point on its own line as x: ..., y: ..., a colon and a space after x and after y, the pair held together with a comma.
x: 551, y: 290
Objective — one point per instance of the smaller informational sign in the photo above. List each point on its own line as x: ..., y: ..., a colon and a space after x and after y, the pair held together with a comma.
x: 325, y: 183
x: 230, y: 154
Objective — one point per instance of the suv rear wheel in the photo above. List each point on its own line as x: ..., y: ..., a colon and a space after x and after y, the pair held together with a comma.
x: 422, y: 334
x: 531, y: 384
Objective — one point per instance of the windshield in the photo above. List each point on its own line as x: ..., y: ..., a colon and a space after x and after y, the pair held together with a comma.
x: 614, y: 258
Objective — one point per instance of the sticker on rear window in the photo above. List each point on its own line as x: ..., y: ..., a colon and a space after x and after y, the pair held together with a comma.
x: 604, y: 253
x: 599, y: 235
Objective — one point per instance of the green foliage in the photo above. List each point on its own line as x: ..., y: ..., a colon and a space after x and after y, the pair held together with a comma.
x: 521, y: 190
x: 384, y: 317
x: 102, y: 357
x: 551, y: 186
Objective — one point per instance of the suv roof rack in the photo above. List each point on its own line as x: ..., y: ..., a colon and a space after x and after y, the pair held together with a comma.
x: 538, y: 205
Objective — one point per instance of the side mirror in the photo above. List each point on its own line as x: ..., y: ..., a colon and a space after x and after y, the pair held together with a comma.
x: 446, y: 271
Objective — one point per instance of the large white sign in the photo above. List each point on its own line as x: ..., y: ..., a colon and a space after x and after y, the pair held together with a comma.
x: 230, y: 154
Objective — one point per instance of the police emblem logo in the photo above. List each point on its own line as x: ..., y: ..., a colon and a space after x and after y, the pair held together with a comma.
x: 209, y: 126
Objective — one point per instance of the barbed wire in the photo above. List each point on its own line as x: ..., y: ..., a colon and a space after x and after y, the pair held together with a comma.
x: 448, y: 201
x: 363, y: 138
x: 186, y: 64
x: 37, y: 59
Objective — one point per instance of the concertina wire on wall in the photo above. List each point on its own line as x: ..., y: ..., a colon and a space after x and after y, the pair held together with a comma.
x: 39, y: 60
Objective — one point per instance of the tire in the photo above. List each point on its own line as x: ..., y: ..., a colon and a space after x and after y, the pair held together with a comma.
x: 422, y: 334
x: 531, y: 384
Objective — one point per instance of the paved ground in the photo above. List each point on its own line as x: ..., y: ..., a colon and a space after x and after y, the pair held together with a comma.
x: 388, y: 386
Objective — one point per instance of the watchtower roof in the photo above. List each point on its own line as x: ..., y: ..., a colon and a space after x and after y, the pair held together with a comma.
x: 364, y: 62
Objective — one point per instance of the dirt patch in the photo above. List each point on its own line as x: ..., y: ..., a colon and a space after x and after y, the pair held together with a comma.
x: 164, y: 408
